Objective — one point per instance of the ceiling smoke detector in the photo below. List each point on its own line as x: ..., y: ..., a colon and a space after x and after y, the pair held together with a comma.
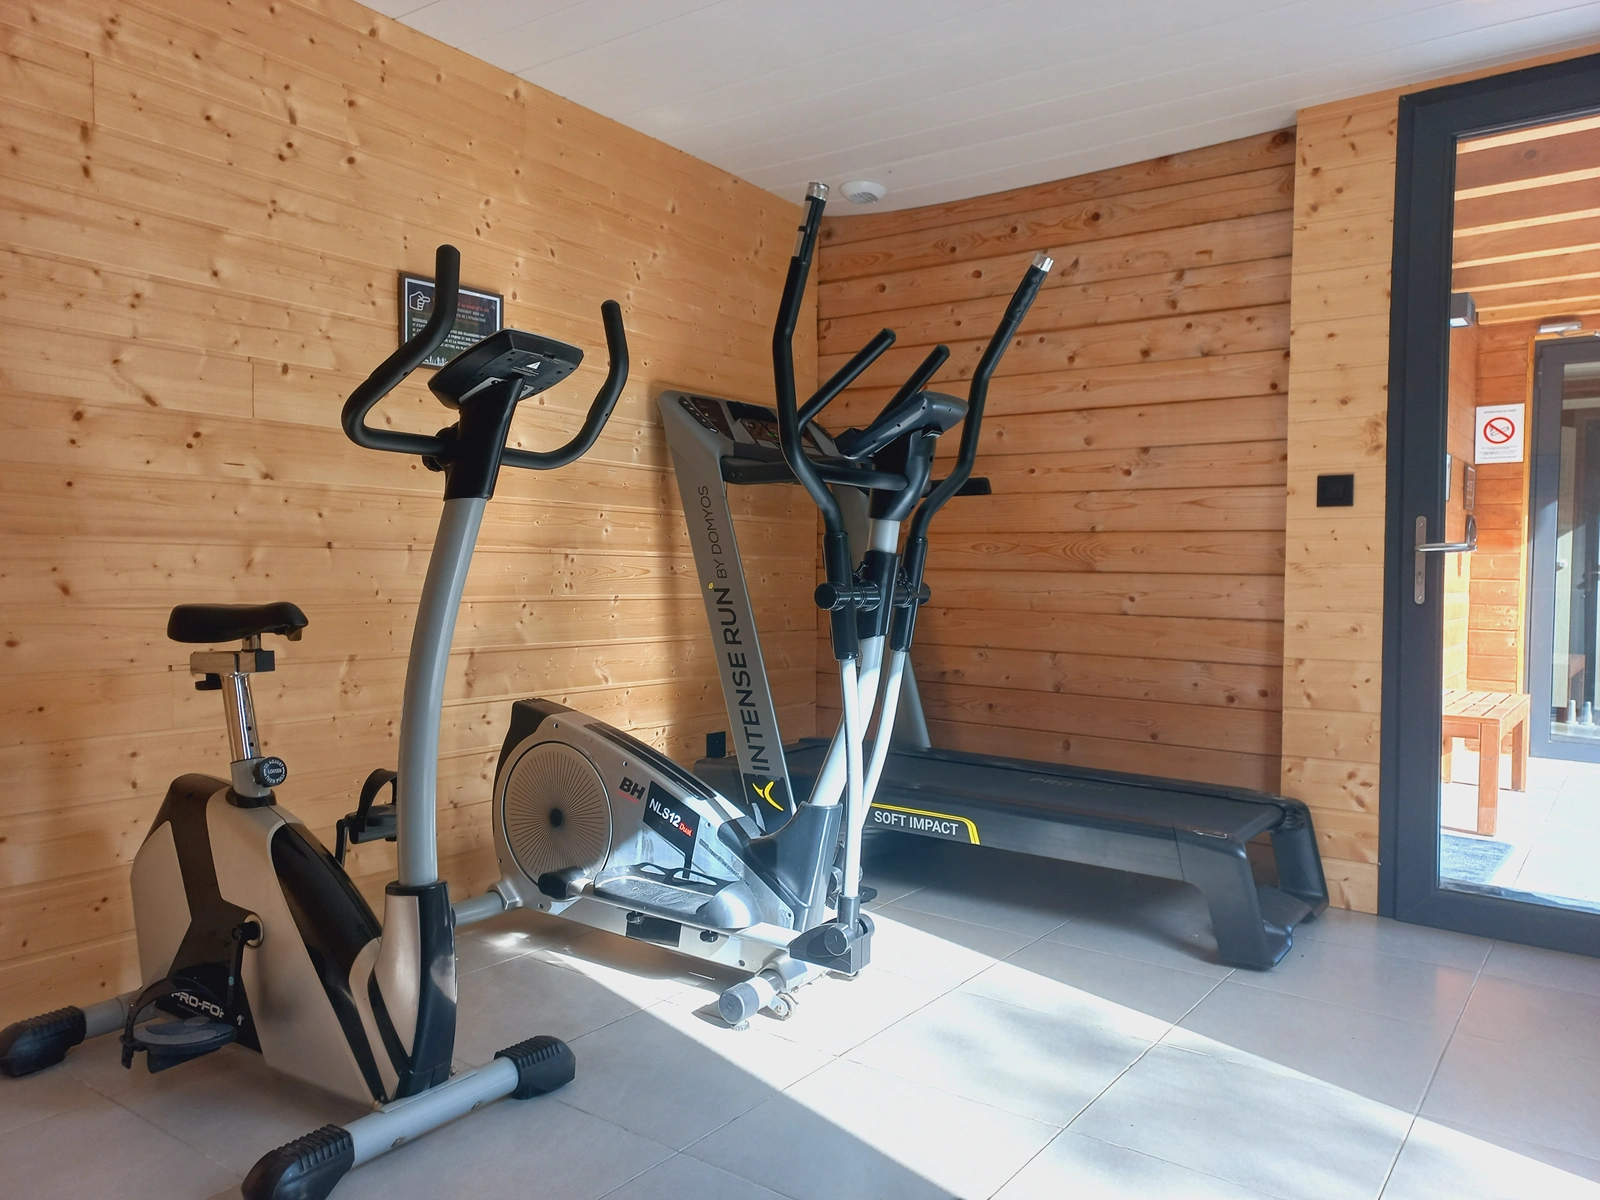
x: 864, y: 191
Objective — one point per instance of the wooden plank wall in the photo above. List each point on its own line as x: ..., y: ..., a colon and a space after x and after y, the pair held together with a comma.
x: 202, y: 213
x: 1496, y: 623
x: 1458, y: 567
x: 1117, y: 602
x: 1338, y: 414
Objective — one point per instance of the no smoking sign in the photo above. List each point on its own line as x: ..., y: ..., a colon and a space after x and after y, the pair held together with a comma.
x: 1499, y: 434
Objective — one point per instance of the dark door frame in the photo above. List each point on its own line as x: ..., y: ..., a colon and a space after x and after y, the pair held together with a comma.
x: 1544, y: 428
x: 1430, y: 123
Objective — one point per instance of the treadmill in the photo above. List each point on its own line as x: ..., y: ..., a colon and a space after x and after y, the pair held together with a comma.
x: 1174, y: 829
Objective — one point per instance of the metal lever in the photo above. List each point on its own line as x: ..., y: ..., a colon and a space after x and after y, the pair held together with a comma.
x: 1419, y: 592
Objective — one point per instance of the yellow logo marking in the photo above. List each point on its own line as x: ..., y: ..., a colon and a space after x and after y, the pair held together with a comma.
x: 766, y: 793
x: 972, y: 828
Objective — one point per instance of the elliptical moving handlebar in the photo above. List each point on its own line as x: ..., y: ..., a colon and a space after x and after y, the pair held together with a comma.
x: 978, y: 391
x: 837, y: 566
x: 916, y: 552
x: 789, y: 423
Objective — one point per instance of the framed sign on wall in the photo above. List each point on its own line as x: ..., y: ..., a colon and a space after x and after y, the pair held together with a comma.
x: 477, y: 316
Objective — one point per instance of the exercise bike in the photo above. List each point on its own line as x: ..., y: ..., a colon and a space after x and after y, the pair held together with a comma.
x: 249, y: 931
x: 592, y: 825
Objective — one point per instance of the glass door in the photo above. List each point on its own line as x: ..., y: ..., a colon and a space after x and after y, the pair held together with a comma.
x: 1490, y: 788
x: 1564, y: 635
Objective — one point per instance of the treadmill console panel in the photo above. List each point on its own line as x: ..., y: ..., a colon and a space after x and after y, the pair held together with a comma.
x: 746, y: 426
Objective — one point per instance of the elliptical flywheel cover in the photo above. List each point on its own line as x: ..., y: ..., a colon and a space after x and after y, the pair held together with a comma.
x: 555, y: 811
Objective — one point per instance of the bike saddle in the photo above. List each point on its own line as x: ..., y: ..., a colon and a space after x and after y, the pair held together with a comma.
x: 205, y: 623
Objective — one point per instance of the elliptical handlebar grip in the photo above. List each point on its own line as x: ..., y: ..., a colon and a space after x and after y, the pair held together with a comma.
x: 789, y: 424
x: 846, y: 375
x: 915, y: 558
x: 917, y: 380
x: 978, y: 392
x: 835, y: 541
x: 388, y: 374
x: 599, y: 412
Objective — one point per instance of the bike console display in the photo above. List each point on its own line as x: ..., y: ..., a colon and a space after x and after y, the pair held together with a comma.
x: 540, y: 362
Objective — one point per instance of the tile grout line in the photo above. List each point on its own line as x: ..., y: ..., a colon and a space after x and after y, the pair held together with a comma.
x: 1245, y: 981
x: 144, y: 1120
x: 1119, y: 1076
x: 841, y: 1056
x: 1416, y: 1114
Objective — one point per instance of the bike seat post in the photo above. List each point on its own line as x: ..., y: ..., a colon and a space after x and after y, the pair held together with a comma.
x: 228, y: 671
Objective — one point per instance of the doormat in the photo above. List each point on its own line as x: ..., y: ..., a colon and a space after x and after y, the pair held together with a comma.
x: 1470, y: 860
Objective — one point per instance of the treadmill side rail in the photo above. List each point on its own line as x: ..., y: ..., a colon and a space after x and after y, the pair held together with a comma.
x: 1197, y: 834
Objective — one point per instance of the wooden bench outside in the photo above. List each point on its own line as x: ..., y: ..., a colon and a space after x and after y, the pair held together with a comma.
x: 1489, y: 717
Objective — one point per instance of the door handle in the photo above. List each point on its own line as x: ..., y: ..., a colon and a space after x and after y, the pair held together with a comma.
x: 1419, y: 591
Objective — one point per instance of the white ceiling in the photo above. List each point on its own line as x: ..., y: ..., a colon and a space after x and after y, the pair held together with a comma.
x: 944, y: 99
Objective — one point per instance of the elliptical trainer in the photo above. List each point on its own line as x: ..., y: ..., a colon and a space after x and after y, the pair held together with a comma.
x: 249, y: 931
x: 595, y: 826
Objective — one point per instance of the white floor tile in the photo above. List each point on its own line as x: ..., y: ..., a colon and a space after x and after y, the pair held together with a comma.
x: 1163, y: 935
x: 1379, y: 1057
x: 1580, y: 1165
x: 1577, y: 811
x: 1127, y: 995
x: 1085, y: 1168
x: 937, y: 950
x: 1021, y: 1060
x: 1550, y: 1019
x: 538, y: 1147
x: 98, y: 1063
x: 638, y: 971
x: 505, y: 937
x: 852, y: 1133
x: 1438, y: 1161
x: 994, y: 901
x: 1260, y: 1129
x: 230, y: 1106
x: 1551, y: 968
x: 44, y: 1094
x: 833, y: 1014
x: 102, y: 1149
x: 649, y: 1075
x: 504, y: 1004
x: 1549, y: 1099
x: 526, y: 928
x: 897, y: 866
x: 1356, y: 978
x: 1361, y: 931
x: 682, y: 1177
x: 1553, y: 827
x: 776, y: 1061
x: 1561, y: 864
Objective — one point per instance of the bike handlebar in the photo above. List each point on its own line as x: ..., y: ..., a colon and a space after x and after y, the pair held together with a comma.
x: 599, y: 412
x: 388, y: 374
x: 417, y: 348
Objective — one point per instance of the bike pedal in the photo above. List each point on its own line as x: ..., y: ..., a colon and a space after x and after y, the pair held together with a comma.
x: 168, y: 1043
